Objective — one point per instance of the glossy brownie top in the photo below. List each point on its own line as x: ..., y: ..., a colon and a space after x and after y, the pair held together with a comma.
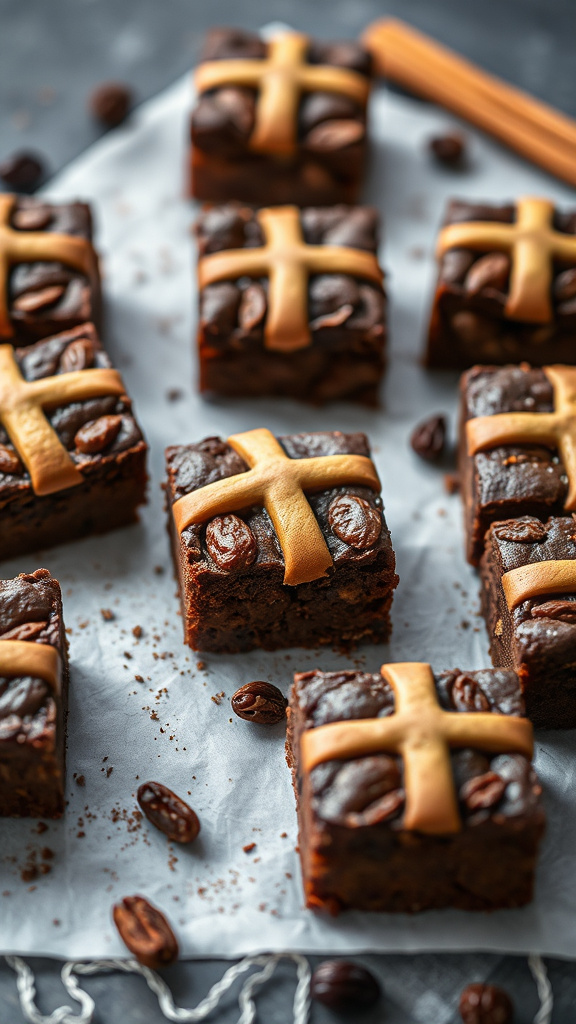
x: 112, y: 429
x: 48, y: 292
x: 31, y: 610
x: 351, y: 518
x: 235, y: 311
x: 488, y: 293
x: 369, y: 791
x: 223, y: 119
x: 513, y: 472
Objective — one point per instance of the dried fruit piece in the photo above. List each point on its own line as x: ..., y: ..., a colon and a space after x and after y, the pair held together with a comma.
x: 335, y: 319
x: 429, y: 437
x: 468, y: 695
x: 483, y: 791
x: 98, y: 434
x: 168, y: 813
x: 448, y: 149
x: 331, y: 135
x: 525, y: 530
x: 78, y: 356
x: 355, y: 521
x: 32, y: 302
x: 485, y: 1004
x: 230, y: 542
x: 344, y: 986
x: 562, y: 610
x: 490, y: 271
x: 9, y: 462
x: 145, y: 931
x: 252, y: 307
x: 110, y: 102
x: 259, y: 702
x: 32, y: 218
x: 22, y: 171
x: 565, y: 285
x: 25, y: 631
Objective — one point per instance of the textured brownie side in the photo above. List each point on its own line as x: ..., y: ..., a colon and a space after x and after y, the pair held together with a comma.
x: 331, y: 149
x: 244, y: 606
x: 538, y: 639
x: 55, y: 297
x: 114, y: 477
x: 354, y: 850
x: 32, y: 716
x: 347, y: 316
x: 468, y: 325
x: 511, y: 480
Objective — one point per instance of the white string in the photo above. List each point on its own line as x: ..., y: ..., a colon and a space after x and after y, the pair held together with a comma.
x: 65, y: 1015
x: 545, y: 993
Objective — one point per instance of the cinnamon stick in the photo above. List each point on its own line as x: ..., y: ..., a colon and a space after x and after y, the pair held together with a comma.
x: 532, y: 128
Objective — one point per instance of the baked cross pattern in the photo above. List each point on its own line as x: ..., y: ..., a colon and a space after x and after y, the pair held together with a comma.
x: 278, y: 483
x: 287, y: 261
x: 23, y: 658
x: 554, y: 576
x: 22, y: 413
x: 32, y: 247
x: 554, y: 429
x: 423, y: 734
x: 280, y: 80
x: 533, y: 245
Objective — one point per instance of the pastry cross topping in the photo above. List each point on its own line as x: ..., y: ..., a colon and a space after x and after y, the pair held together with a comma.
x: 23, y: 658
x: 22, y: 413
x: 287, y: 261
x: 423, y: 734
x: 557, y: 576
x: 280, y: 80
x: 31, y: 247
x: 554, y: 429
x: 278, y: 483
x: 533, y: 245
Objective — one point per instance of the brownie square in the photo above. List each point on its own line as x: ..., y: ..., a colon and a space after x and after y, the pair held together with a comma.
x: 50, y: 279
x: 78, y: 466
x: 300, y: 138
x: 472, y: 320
x: 537, y: 638
x: 33, y: 708
x: 509, y: 480
x: 329, y: 343
x: 355, y: 848
x: 232, y: 562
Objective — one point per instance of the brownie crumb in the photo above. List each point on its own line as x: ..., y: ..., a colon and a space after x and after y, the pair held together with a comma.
x: 249, y: 847
x: 137, y: 632
x: 80, y: 780
x: 107, y: 614
x: 451, y: 483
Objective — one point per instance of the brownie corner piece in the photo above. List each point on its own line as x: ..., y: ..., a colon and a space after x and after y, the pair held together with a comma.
x: 528, y: 573
x: 371, y: 840
x: 265, y: 560
x: 308, y: 319
x: 33, y: 696
x: 51, y: 277
x: 89, y: 473
x: 262, y: 141
x: 490, y: 304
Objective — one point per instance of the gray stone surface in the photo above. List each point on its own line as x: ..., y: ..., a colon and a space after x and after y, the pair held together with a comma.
x: 52, y: 53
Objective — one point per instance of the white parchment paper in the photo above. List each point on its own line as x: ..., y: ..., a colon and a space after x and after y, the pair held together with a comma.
x: 224, y: 901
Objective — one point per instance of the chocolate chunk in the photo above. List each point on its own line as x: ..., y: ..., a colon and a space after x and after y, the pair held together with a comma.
x: 324, y: 106
x: 344, y: 986
x: 110, y: 102
x: 22, y: 171
x: 428, y: 438
x: 448, y: 149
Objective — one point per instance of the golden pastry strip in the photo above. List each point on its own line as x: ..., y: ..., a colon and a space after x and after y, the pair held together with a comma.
x: 423, y: 735
x: 22, y: 658
x: 533, y: 245
x: 32, y: 247
x: 22, y: 413
x: 557, y: 576
x: 278, y: 483
x: 280, y: 81
x: 555, y: 429
x: 287, y: 261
